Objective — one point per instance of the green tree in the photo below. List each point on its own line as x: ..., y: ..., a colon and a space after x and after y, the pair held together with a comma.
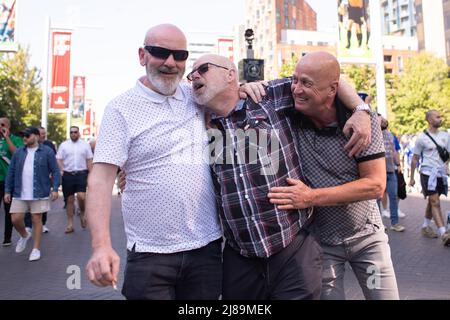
x: 21, y: 95
x: 363, y: 78
x: 288, y: 68
x: 423, y: 85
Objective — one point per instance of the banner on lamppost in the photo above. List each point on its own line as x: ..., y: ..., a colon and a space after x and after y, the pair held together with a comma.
x: 60, y: 72
x: 79, y: 88
x: 225, y: 48
x: 8, y: 25
x: 354, y: 31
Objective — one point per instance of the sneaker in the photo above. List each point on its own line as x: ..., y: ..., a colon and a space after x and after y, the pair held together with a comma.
x: 34, y: 255
x: 446, y: 239
x: 45, y: 229
x: 429, y: 232
x: 398, y: 227
x: 386, y: 213
x: 6, y: 243
x: 22, y: 243
x: 401, y: 214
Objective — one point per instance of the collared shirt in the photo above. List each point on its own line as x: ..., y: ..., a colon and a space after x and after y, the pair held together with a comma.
x: 74, y: 155
x: 168, y: 204
x: 326, y: 164
x: 254, y: 152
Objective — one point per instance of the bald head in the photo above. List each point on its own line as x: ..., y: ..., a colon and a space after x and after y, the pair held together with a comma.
x: 167, y: 36
x: 218, y: 60
x: 322, y: 64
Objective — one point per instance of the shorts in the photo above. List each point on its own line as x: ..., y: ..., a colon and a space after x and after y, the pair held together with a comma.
x: 32, y: 206
x: 440, y: 188
x: 72, y: 184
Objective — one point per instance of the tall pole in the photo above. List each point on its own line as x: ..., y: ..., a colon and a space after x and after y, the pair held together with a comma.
x: 377, y: 43
x: 44, y: 109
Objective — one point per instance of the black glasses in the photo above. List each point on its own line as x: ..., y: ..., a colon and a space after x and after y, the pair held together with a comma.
x: 164, y: 53
x: 26, y: 135
x: 202, y: 69
x: 73, y: 132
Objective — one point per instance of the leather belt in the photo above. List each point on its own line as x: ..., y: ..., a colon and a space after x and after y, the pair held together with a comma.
x: 76, y: 173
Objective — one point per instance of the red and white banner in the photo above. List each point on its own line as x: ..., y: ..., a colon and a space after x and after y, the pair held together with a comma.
x: 79, y: 88
x: 60, y: 85
x: 225, y: 48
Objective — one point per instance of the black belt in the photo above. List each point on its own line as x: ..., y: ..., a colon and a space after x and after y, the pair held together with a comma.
x: 76, y: 173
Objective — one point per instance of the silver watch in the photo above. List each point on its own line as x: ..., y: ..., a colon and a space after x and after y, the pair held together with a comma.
x: 363, y: 107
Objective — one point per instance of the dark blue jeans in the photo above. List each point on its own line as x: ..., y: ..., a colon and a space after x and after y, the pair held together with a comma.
x: 391, y: 189
x: 187, y: 275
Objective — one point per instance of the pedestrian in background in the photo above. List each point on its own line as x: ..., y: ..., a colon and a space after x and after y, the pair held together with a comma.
x: 8, y: 144
x: 75, y: 161
x: 430, y: 146
x: 29, y: 186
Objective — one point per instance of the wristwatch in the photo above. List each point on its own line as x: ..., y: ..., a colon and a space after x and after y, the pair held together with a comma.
x: 363, y: 107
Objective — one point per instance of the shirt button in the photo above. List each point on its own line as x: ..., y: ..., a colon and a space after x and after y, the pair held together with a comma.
x: 241, y: 175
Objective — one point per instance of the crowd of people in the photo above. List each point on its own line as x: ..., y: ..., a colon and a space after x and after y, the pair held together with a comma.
x: 255, y: 191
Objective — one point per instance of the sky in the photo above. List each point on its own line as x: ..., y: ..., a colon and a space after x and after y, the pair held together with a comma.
x: 107, y: 33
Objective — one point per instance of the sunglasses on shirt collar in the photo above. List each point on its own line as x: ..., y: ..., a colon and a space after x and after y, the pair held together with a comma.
x: 164, y: 53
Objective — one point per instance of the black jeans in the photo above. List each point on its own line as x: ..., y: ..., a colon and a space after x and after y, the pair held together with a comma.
x: 187, y: 275
x: 294, y: 273
x: 8, y: 222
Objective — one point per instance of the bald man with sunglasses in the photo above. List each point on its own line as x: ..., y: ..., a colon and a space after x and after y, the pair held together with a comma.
x: 155, y: 132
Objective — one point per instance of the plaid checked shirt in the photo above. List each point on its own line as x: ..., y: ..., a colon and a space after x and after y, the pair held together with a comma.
x: 252, y: 225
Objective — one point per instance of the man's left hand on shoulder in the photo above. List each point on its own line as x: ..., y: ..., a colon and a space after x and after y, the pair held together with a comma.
x: 358, y: 128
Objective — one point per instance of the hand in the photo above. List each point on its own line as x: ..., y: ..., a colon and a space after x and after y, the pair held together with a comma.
x: 103, y: 267
x: 359, y: 128
x: 54, y: 195
x: 256, y: 90
x: 296, y: 196
x: 7, y: 198
x: 121, y: 180
x: 412, y: 182
x: 5, y: 132
x: 61, y: 172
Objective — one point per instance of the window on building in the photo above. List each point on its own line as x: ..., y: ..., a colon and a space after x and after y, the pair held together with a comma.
x: 294, y: 23
x: 286, y: 22
x: 278, y: 17
x: 387, y: 58
x: 387, y: 70
x: 294, y: 2
x: 322, y: 43
x: 309, y: 43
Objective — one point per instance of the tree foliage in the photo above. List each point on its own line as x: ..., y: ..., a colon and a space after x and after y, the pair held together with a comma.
x: 362, y: 77
x: 21, y: 95
x: 423, y: 85
x: 288, y: 68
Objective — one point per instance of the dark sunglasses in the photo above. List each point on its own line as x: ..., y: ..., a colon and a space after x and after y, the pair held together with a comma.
x: 202, y: 69
x: 164, y: 53
x: 74, y: 132
x: 26, y: 135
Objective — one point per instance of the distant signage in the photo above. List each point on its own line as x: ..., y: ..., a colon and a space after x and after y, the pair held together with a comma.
x: 225, y: 48
x: 60, y: 84
x: 354, y: 31
x: 8, y: 25
x: 79, y: 88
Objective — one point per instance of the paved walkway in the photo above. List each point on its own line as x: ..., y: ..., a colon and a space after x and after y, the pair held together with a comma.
x: 422, y: 265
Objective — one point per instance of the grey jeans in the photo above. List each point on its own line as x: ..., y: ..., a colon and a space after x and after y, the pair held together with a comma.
x: 370, y: 259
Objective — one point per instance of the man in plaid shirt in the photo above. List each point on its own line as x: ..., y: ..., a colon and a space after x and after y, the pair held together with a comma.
x: 269, y: 252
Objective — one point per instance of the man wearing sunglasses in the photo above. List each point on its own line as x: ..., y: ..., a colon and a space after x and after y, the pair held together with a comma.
x: 29, y: 187
x: 155, y: 133
x: 74, y: 158
x: 8, y: 144
x: 269, y: 251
